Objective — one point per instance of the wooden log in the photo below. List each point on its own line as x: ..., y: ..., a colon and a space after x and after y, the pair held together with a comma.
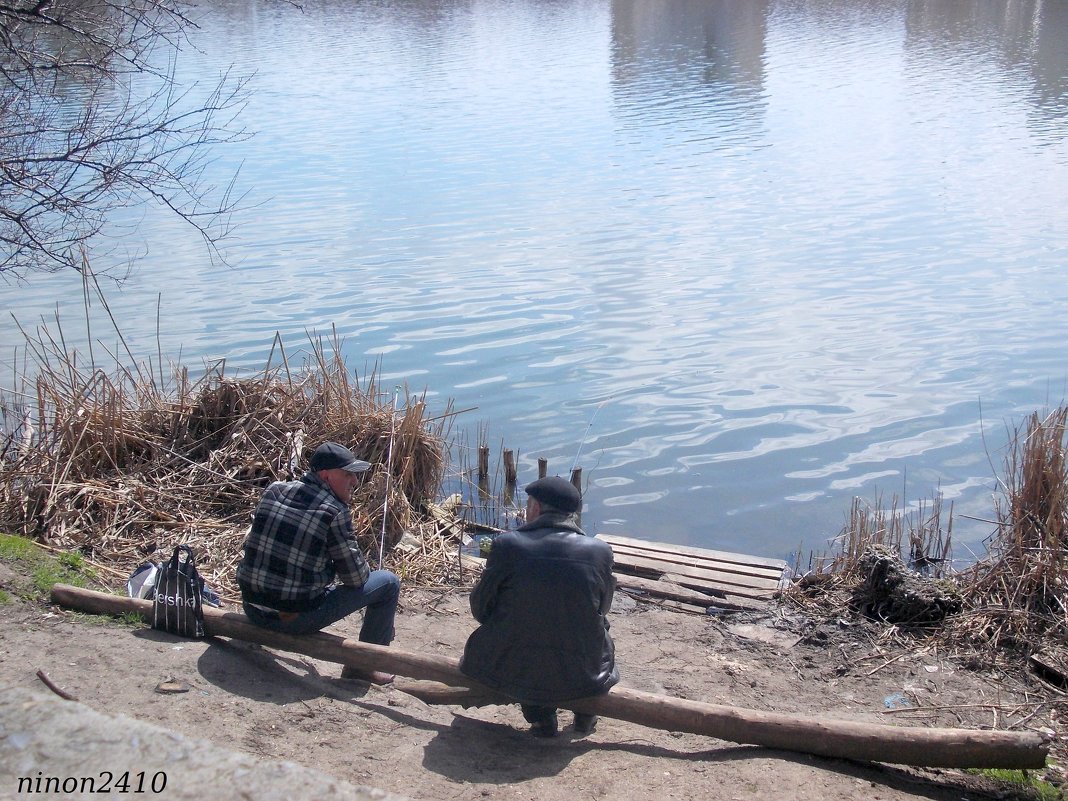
x: 942, y: 748
x: 328, y: 647
x: 920, y: 747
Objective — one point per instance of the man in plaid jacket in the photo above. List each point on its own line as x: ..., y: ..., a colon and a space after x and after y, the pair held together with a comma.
x: 303, y: 568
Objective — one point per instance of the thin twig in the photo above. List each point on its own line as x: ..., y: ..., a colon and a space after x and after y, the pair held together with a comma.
x: 52, y: 686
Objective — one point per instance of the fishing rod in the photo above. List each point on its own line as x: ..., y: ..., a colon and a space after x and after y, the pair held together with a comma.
x: 586, y: 434
x: 389, y: 477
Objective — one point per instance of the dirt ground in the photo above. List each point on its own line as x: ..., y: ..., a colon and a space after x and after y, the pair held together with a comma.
x: 290, y: 707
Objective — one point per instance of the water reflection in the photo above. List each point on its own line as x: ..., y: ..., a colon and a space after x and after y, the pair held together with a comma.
x: 1026, y: 36
x: 785, y: 252
x: 718, y: 44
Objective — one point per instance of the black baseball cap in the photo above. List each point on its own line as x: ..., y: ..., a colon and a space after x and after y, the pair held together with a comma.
x: 332, y: 456
x: 555, y: 492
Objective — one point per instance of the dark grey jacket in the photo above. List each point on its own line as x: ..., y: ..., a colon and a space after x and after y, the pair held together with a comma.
x: 542, y: 603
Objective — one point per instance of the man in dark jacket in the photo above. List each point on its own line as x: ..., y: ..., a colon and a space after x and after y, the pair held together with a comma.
x: 542, y: 603
x: 303, y: 568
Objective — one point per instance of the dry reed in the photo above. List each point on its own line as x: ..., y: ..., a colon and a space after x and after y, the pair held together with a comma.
x: 1006, y: 613
x: 1017, y: 593
x: 121, y: 468
x: 1014, y: 598
x: 871, y: 525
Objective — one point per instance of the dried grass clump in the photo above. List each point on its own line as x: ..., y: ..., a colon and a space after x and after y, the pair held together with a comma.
x: 833, y: 582
x: 119, y: 467
x: 891, y: 592
x: 1011, y: 600
x: 1018, y: 591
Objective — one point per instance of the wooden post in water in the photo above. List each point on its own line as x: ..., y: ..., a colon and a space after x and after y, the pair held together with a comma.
x: 483, y: 472
x: 510, y: 475
x: 543, y: 467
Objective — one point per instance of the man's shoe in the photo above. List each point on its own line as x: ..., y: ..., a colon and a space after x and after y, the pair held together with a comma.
x: 543, y: 730
x: 584, y: 724
x: 369, y: 676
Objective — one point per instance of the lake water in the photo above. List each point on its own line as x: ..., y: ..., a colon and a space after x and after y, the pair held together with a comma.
x: 763, y: 256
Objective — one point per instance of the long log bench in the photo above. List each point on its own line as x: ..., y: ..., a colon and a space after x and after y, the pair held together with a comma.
x: 439, y: 680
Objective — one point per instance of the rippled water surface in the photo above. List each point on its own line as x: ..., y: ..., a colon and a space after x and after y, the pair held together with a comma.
x: 765, y: 256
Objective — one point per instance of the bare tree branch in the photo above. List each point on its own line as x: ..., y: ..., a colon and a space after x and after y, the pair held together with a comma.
x: 94, y: 121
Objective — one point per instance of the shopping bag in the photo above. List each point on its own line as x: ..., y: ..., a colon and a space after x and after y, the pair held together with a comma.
x: 178, y: 599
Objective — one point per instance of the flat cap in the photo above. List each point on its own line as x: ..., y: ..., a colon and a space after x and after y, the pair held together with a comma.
x: 557, y: 492
x: 333, y: 456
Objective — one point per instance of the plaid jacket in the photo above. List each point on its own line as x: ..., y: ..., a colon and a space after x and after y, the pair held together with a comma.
x: 300, y: 543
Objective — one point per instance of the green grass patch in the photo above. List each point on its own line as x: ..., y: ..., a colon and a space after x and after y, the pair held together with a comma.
x: 38, y: 570
x: 1023, y: 779
x: 42, y: 567
x: 17, y: 549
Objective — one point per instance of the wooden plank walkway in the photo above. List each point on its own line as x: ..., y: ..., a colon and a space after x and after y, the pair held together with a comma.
x: 687, y: 578
x: 727, y: 580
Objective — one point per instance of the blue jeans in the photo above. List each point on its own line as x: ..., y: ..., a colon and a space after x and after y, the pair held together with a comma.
x: 378, y: 597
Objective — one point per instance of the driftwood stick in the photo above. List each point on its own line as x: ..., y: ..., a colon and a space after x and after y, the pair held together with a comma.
x: 920, y: 747
x: 51, y: 685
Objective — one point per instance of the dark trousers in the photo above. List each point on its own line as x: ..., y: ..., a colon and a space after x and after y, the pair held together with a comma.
x: 535, y: 714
